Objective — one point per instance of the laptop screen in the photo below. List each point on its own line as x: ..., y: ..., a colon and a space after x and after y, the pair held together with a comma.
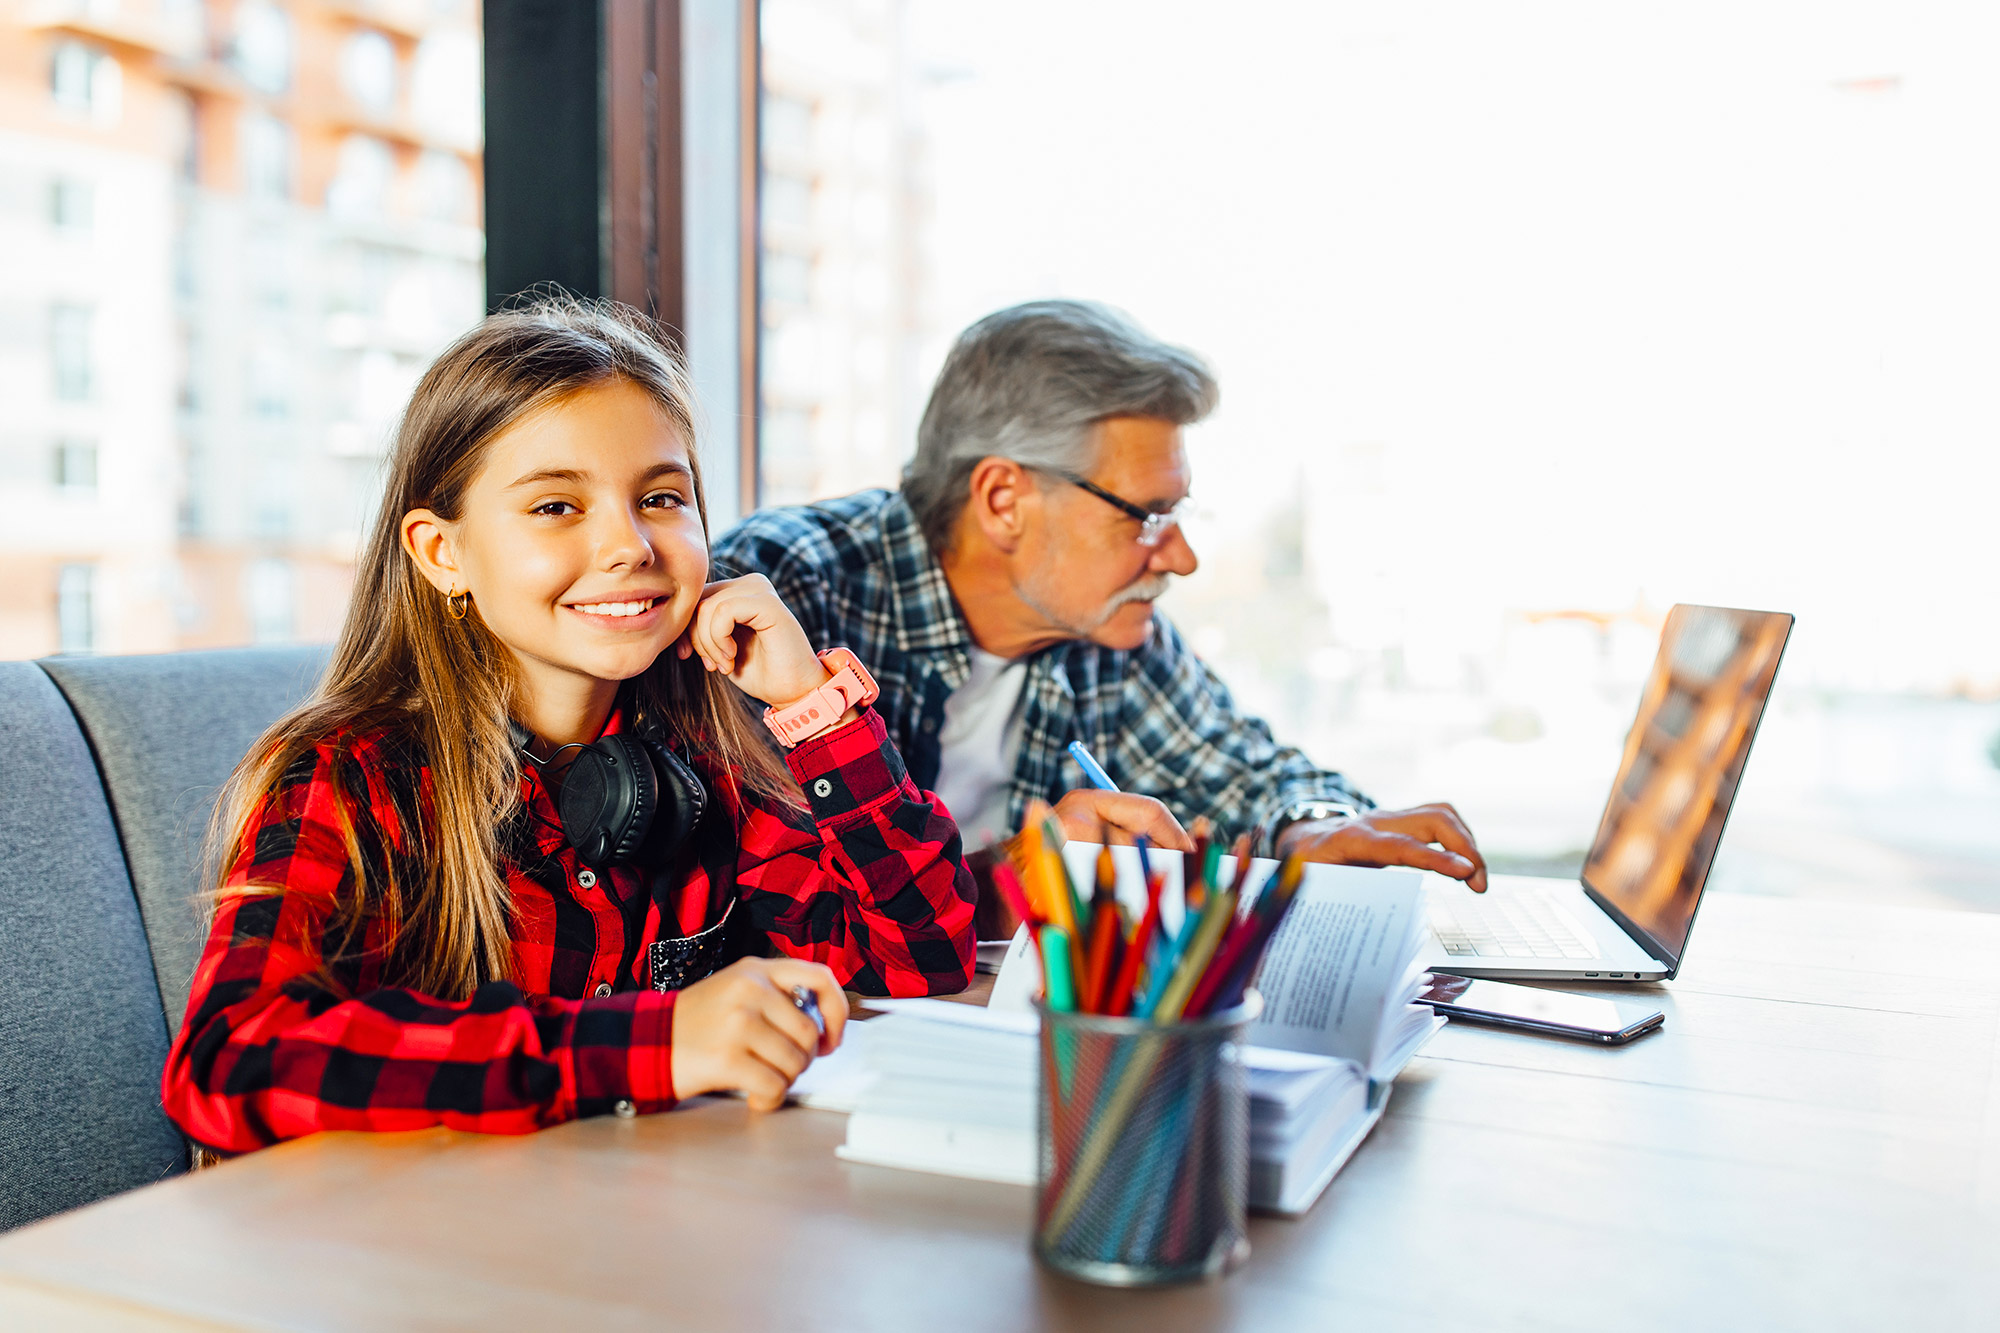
x: 1682, y: 762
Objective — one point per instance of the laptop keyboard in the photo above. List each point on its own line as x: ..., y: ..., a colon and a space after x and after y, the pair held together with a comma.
x: 1526, y: 923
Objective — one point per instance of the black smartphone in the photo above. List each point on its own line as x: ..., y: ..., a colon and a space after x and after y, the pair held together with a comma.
x: 1532, y: 1009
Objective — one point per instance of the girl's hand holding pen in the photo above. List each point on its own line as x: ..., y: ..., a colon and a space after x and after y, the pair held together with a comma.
x: 744, y: 630
x: 741, y: 1030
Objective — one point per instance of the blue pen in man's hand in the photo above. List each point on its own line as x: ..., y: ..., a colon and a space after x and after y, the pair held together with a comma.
x: 1091, y: 768
x: 808, y: 1004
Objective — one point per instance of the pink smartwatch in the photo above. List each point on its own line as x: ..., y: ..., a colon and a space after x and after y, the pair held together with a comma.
x: 851, y: 687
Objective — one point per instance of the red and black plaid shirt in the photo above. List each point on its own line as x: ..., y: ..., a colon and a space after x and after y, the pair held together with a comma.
x: 297, y: 1023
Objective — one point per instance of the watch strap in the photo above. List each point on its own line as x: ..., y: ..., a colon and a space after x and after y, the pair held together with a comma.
x: 821, y: 709
x: 1298, y: 811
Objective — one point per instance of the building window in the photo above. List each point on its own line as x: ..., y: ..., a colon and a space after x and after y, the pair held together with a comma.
x: 271, y: 498
x: 71, y: 204
x: 787, y: 278
x: 443, y: 188
x: 444, y: 87
x: 787, y: 201
x: 368, y: 72
x: 76, y: 467
x: 264, y: 46
x: 69, y: 352
x: 270, y: 378
x: 787, y: 126
x: 268, y: 268
x: 184, y: 24
x: 190, y: 513
x: 786, y: 456
x: 268, y: 148
x: 187, y: 369
x: 76, y: 609
x: 267, y: 590
x: 183, y: 115
x: 363, y: 176
x: 86, y: 81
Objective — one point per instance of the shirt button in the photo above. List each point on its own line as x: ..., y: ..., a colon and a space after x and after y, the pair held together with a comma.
x: 623, y: 1109
x: 603, y: 989
x: 587, y: 878
x: 930, y: 726
x: 822, y: 788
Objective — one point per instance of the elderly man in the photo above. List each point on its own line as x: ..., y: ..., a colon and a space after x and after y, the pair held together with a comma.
x: 1004, y: 602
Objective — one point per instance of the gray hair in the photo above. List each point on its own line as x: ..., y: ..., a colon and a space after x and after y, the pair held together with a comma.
x: 1029, y: 383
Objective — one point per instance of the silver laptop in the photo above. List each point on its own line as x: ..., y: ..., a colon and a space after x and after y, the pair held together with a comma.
x: 1629, y: 917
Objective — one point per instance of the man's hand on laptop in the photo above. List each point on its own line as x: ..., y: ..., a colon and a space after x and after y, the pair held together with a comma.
x: 1429, y: 837
x: 1086, y: 812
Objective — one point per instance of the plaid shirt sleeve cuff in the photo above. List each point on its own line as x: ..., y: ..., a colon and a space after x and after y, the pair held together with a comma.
x: 849, y: 769
x: 621, y: 1050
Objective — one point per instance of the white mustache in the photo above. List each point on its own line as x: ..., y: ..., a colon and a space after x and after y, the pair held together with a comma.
x: 1149, y: 589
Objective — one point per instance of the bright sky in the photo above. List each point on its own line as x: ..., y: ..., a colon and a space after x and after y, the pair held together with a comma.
x: 1551, y: 305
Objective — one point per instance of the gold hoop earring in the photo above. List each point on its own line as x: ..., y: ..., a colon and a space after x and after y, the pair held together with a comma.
x: 456, y: 604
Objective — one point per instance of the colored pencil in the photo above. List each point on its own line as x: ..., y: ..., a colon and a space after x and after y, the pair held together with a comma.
x: 1042, y: 868
x: 1231, y: 977
x: 1105, y: 933
x: 1162, y: 970
x: 1196, y: 866
x: 1120, y: 1002
x: 1234, y: 944
x: 1064, y: 883
x: 1058, y: 982
x: 1009, y: 884
x: 1240, y: 849
x: 1216, y: 916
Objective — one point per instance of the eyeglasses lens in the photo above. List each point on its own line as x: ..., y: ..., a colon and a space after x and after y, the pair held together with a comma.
x: 1156, y: 526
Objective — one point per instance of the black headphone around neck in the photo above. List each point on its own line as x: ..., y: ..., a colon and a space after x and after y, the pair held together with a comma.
x: 622, y: 793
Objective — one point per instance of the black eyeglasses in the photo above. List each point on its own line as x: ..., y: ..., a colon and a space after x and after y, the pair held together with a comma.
x: 1154, y: 524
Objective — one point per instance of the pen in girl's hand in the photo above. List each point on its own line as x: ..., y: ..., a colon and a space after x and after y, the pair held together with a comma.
x: 1091, y: 768
x: 808, y: 1004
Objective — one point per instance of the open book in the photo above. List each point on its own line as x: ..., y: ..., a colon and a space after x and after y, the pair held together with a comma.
x: 944, y: 1087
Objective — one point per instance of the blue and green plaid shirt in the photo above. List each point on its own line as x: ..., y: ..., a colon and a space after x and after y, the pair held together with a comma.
x: 857, y: 573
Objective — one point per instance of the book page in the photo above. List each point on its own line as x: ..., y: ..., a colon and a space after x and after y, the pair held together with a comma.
x: 1335, y: 979
x: 1336, y: 964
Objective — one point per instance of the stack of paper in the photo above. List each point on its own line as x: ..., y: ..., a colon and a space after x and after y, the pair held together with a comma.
x: 938, y: 1086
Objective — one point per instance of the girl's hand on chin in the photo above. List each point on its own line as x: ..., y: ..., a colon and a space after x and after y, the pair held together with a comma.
x: 742, y: 629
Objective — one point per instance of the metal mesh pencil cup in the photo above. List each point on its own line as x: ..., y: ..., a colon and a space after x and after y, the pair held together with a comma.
x: 1143, y: 1135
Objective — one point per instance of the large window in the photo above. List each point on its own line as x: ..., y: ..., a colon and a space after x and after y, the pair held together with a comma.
x: 1531, y: 320
x: 235, y: 232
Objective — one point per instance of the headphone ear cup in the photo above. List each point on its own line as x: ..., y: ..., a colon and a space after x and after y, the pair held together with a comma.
x: 609, y: 796
x: 645, y: 799
x: 683, y: 798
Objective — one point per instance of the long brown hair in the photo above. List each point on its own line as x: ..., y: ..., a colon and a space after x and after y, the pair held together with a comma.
x: 448, y: 685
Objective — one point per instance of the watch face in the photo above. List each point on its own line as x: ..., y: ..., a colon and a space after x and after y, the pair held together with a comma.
x: 1307, y: 811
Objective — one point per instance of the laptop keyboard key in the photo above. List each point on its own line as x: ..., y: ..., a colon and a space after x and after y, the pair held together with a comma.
x: 1529, y: 924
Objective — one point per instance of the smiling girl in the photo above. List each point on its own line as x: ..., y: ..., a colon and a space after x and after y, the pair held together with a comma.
x: 528, y: 854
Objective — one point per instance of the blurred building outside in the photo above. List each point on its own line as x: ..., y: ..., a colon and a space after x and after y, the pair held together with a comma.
x: 235, y: 231
x: 847, y: 287
x: 1448, y: 604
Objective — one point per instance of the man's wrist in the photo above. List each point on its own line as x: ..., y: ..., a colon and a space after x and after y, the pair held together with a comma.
x: 1302, y: 819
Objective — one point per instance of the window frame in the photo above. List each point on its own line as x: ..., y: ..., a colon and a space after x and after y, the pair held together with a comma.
x: 622, y: 161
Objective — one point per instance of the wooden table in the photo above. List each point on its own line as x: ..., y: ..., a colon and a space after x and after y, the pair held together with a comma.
x: 1812, y: 1143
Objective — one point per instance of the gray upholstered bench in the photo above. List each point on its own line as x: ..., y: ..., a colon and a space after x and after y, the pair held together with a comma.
x: 109, y: 769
